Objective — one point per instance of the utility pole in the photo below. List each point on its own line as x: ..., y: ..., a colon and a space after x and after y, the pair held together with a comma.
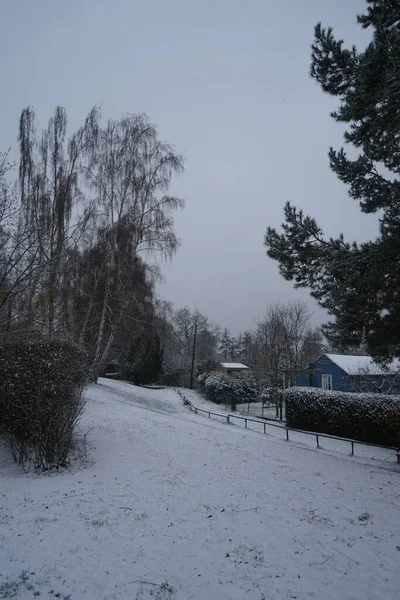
x: 193, y: 356
x: 283, y: 396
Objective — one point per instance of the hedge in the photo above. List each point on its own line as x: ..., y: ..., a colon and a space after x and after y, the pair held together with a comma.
x: 41, y: 385
x: 373, y: 418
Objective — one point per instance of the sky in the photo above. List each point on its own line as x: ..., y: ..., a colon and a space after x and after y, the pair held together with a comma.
x: 227, y: 83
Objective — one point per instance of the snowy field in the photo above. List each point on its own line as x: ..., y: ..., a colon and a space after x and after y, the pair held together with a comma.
x: 171, y: 505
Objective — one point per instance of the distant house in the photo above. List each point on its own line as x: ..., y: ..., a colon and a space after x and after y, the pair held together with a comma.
x: 349, y: 373
x: 230, y: 368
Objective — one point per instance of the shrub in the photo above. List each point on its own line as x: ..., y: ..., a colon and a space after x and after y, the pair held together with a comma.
x: 228, y: 389
x: 373, y: 418
x: 202, y: 378
x: 246, y: 388
x: 41, y: 386
x: 219, y: 388
x: 271, y: 395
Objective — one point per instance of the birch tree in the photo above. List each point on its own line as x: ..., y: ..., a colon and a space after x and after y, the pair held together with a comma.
x: 51, y: 201
x: 130, y: 172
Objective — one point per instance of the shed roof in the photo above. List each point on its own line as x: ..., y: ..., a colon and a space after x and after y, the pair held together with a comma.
x: 233, y: 366
x: 353, y: 365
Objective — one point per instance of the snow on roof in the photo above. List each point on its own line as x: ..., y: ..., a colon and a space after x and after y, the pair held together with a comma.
x: 234, y: 366
x: 354, y: 365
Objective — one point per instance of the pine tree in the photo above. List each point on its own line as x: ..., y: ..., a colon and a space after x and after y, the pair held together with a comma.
x: 358, y: 284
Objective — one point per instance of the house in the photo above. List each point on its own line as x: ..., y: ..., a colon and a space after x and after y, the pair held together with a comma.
x: 349, y: 373
x: 230, y: 368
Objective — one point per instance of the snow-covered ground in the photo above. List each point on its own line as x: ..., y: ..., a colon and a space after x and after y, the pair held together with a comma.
x: 172, y: 505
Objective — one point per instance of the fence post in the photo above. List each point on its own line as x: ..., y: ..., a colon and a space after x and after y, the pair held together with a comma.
x: 209, y: 415
x: 227, y: 419
x: 352, y: 447
x: 287, y: 434
x: 265, y: 427
x: 245, y: 423
x: 317, y: 441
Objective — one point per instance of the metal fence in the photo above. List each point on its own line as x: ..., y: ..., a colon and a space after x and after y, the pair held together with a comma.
x: 229, y: 418
x: 262, y: 410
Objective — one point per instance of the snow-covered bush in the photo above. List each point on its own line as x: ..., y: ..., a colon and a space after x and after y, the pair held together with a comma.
x: 373, y: 418
x: 246, y: 388
x: 41, y: 386
x: 217, y: 387
x: 228, y: 389
x: 202, y: 377
x: 271, y: 395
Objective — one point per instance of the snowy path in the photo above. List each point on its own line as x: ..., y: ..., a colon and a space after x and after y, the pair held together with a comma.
x: 174, y: 505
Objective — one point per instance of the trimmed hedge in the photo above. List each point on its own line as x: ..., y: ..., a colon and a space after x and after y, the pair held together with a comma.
x: 41, y: 385
x: 373, y: 418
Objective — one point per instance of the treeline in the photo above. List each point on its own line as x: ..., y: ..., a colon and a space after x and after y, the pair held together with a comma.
x: 283, y: 341
x: 85, y: 217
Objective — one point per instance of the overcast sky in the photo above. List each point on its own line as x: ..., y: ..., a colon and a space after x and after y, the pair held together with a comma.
x: 226, y: 81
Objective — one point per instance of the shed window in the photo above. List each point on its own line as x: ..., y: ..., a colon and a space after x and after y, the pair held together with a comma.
x: 326, y: 382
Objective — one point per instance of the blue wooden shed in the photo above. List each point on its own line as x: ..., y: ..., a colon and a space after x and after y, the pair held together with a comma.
x: 348, y: 373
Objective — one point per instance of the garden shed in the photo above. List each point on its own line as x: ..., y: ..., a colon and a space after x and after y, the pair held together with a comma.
x: 234, y: 367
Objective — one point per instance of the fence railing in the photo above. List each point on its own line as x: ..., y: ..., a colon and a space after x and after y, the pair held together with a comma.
x: 229, y: 417
x: 270, y: 411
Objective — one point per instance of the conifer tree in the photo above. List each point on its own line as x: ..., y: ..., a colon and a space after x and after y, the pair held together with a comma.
x: 358, y: 283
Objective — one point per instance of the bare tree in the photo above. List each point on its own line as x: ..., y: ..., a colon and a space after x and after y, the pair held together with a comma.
x: 297, y: 338
x: 284, y: 343
x: 50, y: 200
x: 8, y: 209
x: 269, y: 348
x: 374, y: 378
x: 179, y: 355
x: 18, y: 250
x: 130, y: 172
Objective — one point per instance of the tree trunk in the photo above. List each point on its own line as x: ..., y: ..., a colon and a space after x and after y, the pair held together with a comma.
x: 96, y: 359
